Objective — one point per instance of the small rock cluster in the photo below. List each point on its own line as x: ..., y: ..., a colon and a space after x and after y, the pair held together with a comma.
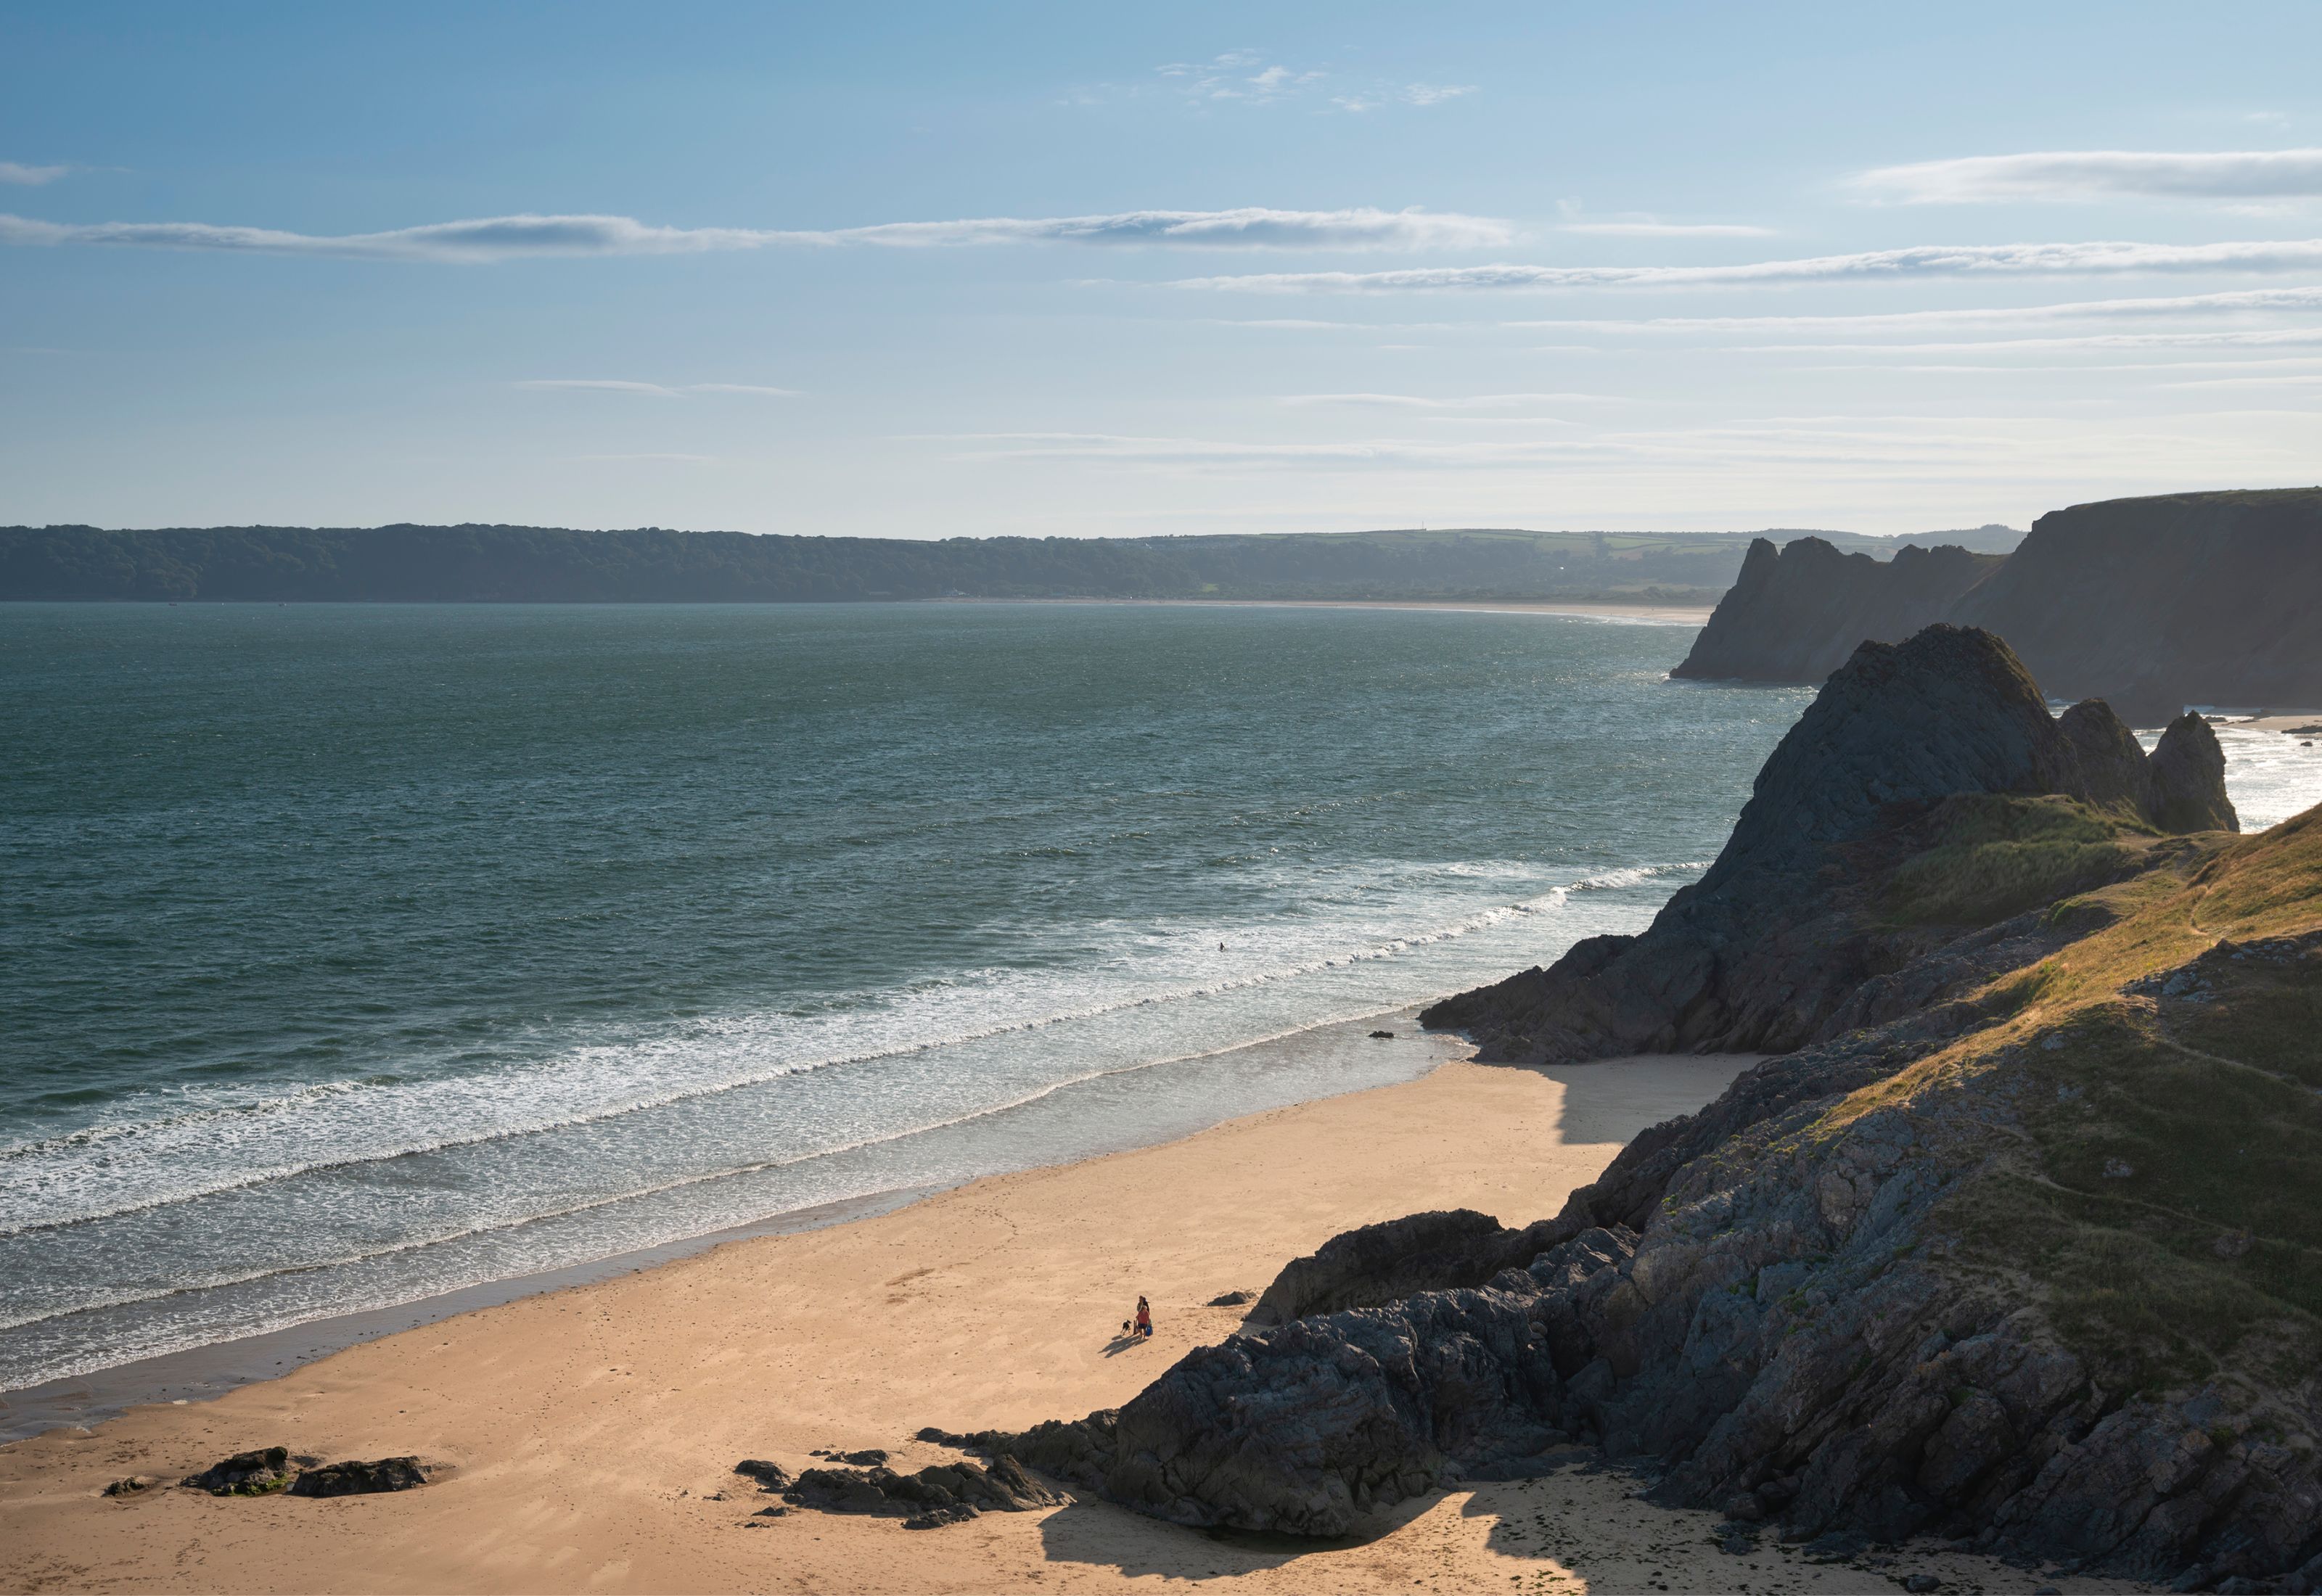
x: 939, y: 1494
x: 271, y: 1468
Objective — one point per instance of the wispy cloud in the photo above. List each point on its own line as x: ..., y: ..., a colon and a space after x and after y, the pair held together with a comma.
x: 653, y: 390
x: 2235, y: 302
x: 2207, y: 339
x: 2099, y: 174
x: 504, y: 237
x: 1649, y: 229
x: 1924, y: 260
x: 1250, y: 227
x: 1230, y: 77
x: 30, y: 176
x: 1409, y: 94
x: 1934, y: 448
x: 1421, y: 402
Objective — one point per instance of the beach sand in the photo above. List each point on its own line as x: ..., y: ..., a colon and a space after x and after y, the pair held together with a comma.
x: 589, y: 1433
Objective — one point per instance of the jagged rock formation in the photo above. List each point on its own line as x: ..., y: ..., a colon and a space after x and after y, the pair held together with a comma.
x: 2022, y: 1250
x: 1798, y: 614
x: 2151, y: 604
x: 1791, y: 920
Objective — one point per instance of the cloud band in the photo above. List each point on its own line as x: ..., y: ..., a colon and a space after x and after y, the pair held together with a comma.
x: 2099, y: 174
x: 503, y: 238
x: 1923, y: 260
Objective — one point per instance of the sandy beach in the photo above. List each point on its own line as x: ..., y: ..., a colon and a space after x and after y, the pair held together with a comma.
x: 585, y: 1438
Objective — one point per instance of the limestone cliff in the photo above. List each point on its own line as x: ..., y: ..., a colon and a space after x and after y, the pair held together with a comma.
x: 2154, y: 604
x: 2151, y: 604
x: 1796, y: 614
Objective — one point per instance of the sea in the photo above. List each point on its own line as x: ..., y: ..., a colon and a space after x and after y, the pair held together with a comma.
x: 354, y: 955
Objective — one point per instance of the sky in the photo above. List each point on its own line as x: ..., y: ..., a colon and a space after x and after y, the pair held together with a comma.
x: 925, y: 271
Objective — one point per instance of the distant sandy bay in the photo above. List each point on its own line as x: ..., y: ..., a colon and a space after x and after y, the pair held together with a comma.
x: 587, y: 1435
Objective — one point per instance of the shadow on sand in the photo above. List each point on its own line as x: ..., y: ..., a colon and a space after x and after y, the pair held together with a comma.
x: 1101, y: 1535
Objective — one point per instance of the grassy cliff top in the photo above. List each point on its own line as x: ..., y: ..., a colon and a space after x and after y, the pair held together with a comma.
x: 2162, y: 1205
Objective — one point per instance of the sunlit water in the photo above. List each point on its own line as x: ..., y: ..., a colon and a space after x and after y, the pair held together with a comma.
x: 357, y: 955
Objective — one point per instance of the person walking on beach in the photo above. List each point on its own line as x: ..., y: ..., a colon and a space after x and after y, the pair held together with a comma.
x: 1144, y: 1317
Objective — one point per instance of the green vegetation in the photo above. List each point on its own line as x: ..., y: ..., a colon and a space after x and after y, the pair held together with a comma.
x: 405, y: 563
x: 1992, y: 856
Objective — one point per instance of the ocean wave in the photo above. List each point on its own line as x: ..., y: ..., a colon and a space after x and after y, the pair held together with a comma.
x: 105, y: 1164
x: 448, y: 1234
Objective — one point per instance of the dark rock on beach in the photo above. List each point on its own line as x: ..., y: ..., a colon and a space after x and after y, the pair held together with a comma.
x: 132, y: 1485
x: 1381, y: 1263
x: 769, y: 1476
x: 1231, y: 1299
x: 245, y: 1474
x: 939, y: 1494
x: 353, y: 1478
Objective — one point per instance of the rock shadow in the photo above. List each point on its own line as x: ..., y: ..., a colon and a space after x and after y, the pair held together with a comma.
x: 1096, y: 1533
x: 1613, y: 1099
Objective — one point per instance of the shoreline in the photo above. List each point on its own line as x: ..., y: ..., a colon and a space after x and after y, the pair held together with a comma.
x: 206, y: 1372
x: 203, y: 1373
x: 585, y: 1437
x: 991, y: 1302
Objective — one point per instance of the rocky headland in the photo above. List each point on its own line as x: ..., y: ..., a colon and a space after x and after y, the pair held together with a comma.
x: 2151, y: 603
x: 1796, y: 613
x: 1928, y: 784
x: 2015, y: 1244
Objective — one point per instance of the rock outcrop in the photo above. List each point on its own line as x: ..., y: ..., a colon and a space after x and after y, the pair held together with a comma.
x: 261, y: 1473
x: 1788, y: 924
x: 2151, y: 604
x: 355, y: 1477
x: 2018, y: 1249
x: 1382, y: 1263
x: 939, y: 1494
x: 1798, y: 614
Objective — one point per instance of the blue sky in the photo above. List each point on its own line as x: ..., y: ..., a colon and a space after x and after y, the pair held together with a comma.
x: 921, y: 271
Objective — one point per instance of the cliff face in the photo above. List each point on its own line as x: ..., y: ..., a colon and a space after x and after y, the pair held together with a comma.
x: 1800, y: 909
x: 2019, y: 1251
x: 2154, y: 604
x: 2151, y: 604
x: 1798, y: 615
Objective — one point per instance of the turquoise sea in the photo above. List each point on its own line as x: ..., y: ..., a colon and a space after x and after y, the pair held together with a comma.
x: 356, y: 955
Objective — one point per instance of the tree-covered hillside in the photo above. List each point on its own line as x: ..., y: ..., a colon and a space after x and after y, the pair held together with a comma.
x: 479, y: 563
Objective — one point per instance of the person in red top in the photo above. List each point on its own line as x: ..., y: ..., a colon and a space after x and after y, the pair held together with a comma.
x: 1144, y: 1317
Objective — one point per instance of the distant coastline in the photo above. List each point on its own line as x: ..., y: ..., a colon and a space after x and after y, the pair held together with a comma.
x: 473, y: 563
x: 1662, y: 614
